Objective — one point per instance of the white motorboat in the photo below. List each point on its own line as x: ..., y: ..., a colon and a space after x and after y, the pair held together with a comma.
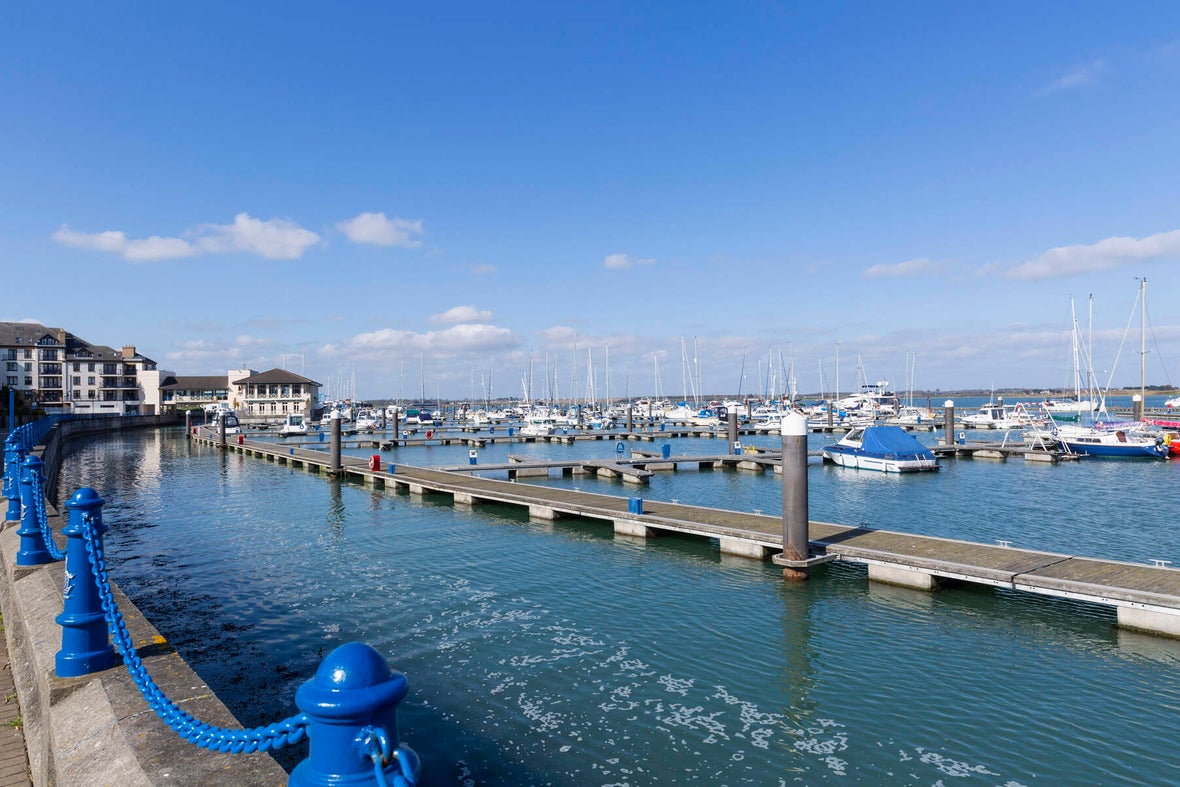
x: 888, y: 449
x: 294, y: 425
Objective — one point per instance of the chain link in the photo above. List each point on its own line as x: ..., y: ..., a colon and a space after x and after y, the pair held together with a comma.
x: 282, y: 733
x: 42, y: 518
x: 376, y: 740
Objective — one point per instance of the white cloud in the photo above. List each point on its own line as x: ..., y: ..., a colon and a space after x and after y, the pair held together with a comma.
x: 99, y: 241
x: 559, y: 337
x: 622, y: 262
x: 1078, y: 77
x: 483, y: 270
x: 461, y: 314
x: 908, y: 268
x: 1103, y: 255
x: 153, y: 248
x: 276, y: 239
x: 466, y: 339
x: 377, y: 230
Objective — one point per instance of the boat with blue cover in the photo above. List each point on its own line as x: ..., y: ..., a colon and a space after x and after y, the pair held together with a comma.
x: 888, y: 449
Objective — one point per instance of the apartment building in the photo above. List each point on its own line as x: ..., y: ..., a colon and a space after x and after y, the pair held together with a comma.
x: 63, y: 373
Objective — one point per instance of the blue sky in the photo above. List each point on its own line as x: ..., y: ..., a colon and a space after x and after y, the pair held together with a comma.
x: 441, y: 192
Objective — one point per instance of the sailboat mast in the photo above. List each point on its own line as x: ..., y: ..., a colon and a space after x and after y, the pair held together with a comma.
x: 1143, y: 341
x: 1077, y: 382
x: 1090, y: 356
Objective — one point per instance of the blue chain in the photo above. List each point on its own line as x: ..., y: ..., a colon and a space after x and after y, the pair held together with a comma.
x: 282, y: 733
x: 376, y: 740
x: 43, y: 519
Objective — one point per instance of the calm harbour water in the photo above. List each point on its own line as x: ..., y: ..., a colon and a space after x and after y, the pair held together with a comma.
x: 554, y: 653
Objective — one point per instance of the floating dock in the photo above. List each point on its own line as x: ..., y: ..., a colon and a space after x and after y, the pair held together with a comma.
x: 1146, y: 597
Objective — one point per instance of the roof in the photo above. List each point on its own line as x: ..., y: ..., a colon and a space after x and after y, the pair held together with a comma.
x: 273, y: 376
x: 196, y: 382
x: 14, y: 333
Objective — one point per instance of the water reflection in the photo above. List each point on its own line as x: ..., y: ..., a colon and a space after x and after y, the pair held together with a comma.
x: 336, y: 515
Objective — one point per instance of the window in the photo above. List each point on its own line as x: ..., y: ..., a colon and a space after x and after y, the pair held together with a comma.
x: 110, y: 368
x: 90, y: 367
x: 12, y: 355
x: 12, y: 378
x: 76, y: 380
x: 48, y: 355
x: 92, y: 394
x: 77, y: 366
x: 28, y: 367
x: 29, y: 380
x: 51, y: 368
x: 90, y: 380
x: 28, y: 353
x: 13, y: 366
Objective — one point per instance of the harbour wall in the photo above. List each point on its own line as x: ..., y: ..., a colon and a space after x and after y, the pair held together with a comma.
x: 97, y: 729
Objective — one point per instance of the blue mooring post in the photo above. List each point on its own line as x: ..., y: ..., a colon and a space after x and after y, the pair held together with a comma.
x: 14, y: 457
x: 85, y: 646
x: 32, y: 544
x: 353, y: 692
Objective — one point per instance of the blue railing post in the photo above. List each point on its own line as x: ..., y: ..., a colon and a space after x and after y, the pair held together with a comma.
x: 352, y: 705
x: 32, y: 543
x: 85, y: 646
x: 14, y: 457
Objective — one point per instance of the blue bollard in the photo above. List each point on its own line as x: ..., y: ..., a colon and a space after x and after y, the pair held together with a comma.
x: 635, y: 505
x: 291, y: 452
x: 662, y: 426
x: 392, y: 468
x: 14, y: 456
x: 510, y: 431
x: 472, y: 457
x: 85, y: 646
x: 666, y: 450
x: 32, y: 543
x: 353, y: 692
x: 321, y: 437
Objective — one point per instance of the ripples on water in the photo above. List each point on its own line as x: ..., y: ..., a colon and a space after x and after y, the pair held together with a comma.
x: 554, y: 653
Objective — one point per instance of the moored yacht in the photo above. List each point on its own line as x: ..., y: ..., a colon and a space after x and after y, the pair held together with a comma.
x: 888, y: 449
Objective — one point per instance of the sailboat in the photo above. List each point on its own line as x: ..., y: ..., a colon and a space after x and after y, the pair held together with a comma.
x: 1072, y: 410
x: 1121, y: 440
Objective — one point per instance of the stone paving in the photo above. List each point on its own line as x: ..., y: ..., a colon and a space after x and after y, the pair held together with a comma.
x: 14, y: 760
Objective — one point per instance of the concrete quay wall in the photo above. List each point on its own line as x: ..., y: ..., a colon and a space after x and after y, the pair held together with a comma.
x: 98, y: 729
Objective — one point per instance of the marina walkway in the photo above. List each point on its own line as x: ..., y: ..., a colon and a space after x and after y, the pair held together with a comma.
x: 14, y: 759
x: 1147, y: 597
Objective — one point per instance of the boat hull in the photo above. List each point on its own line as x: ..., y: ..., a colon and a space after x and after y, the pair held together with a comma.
x: 862, y: 460
x: 1137, y: 451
